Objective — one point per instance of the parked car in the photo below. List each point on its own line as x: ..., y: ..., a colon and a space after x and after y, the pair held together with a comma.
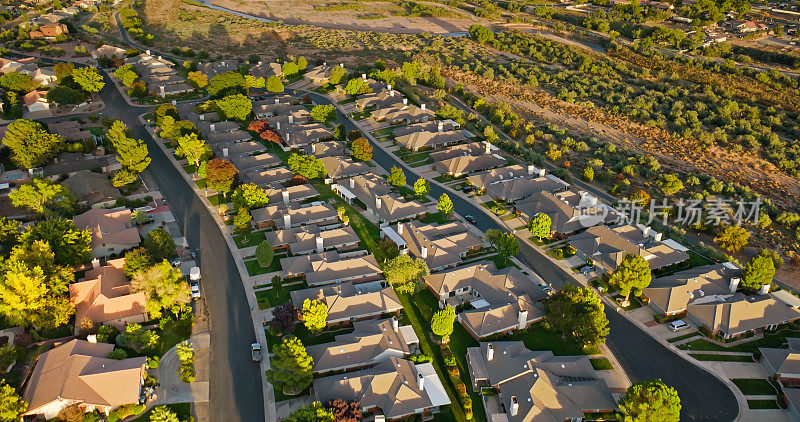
x: 255, y: 352
x: 678, y: 325
x: 176, y: 262
x: 470, y: 219
x: 546, y: 288
x: 468, y: 189
x: 194, y: 273
x: 195, y: 286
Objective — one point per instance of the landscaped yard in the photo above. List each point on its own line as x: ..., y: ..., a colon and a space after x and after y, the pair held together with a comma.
x: 695, y: 260
x: 183, y: 410
x: 763, y: 404
x: 601, y: 364
x: 775, y: 339
x: 755, y: 386
x: 360, y: 115
x: 253, y: 268
x: 683, y: 337
x: 252, y: 240
x: 268, y: 298
x: 721, y: 358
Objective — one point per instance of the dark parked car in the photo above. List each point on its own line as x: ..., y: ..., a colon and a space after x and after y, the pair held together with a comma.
x: 471, y: 219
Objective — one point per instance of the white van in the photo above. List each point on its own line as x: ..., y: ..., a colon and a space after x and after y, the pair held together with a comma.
x: 678, y: 325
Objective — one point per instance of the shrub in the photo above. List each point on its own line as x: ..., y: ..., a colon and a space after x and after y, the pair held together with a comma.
x: 153, y: 362
x: 453, y: 371
x: 125, y: 411
x: 186, y: 373
x: 450, y: 361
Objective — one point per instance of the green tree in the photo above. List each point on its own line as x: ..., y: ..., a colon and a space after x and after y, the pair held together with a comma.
x: 396, y: 177
x: 164, y: 287
x: 307, y: 166
x: 18, y: 82
x: 577, y: 313
x: 221, y: 175
x: 442, y: 322
x: 193, y: 148
x: 88, y: 78
x: 274, y: 84
x: 70, y: 244
x: 249, y: 196
x: 124, y: 177
x: 136, y: 261
x: 650, y: 401
x: 242, y: 221
x: 43, y: 197
x: 163, y: 414
x: 732, y: 238
x: 265, y: 254
x: 159, y: 244
x: 758, y: 271
x: 640, y: 198
x: 362, y: 150
x: 506, y: 244
x: 421, y: 187
x: 254, y: 83
x: 197, y: 79
x: 292, y: 367
x: 63, y: 69
x: 132, y: 153
x: 227, y: 83
x: 480, y: 34
x: 314, y: 412
x: 314, y: 314
x: 588, y: 174
x: 30, y: 144
x: 445, y: 205
x: 302, y: 63
x: 235, y: 107
x: 323, y: 113
x: 9, y: 234
x: 62, y: 95
x: 290, y: 69
x: 632, y: 275
x: 670, y: 184
x: 338, y: 73
x: 12, y: 405
x: 126, y: 74
x: 405, y: 273
x: 541, y: 226
x: 357, y: 86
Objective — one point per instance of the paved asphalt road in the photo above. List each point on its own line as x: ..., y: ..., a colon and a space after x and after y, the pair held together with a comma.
x: 235, y: 384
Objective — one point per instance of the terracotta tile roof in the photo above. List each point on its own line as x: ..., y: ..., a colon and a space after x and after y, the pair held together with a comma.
x: 109, y: 226
x: 106, y: 295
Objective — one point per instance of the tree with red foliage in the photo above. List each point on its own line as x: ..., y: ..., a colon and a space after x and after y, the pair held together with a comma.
x: 284, y: 318
x: 344, y: 411
x: 221, y: 175
x: 258, y: 126
x: 270, y: 136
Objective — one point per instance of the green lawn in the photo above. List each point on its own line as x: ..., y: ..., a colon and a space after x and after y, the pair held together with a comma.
x: 695, y: 260
x: 755, y: 386
x: 253, y: 268
x: 721, y: 358
x: 253, y: 239
x: 190, y: 168
x: 216, y: 199
x: 601, y: 364
x: 763, y: 404
x: 683, y: 337
x: 387, y: 131
x: 183, y: 410
x: 348, y: 101
x: 421, y: 163
x: 432, y: 218
x: 536, y: 337
x: 200, y: 183
x: 271, y: 298
x: 360, y: 115
x: 775, y: 339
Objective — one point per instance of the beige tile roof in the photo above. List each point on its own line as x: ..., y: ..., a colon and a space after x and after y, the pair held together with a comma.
x: 338, y: 167
x: 466, y: 164
x: 262, y: 161
x: 303, y: 240
x: 80, y: 371
x: 608, y: 247
x: 228, y: 137
x: 328, y: 267
x: 109, y: 226
x: 269, y: 177
x: 300, y: 215
x: 739, y: 313
x: 91, y: 187
x: 673, y: 293
x: 106, y: 296
x: 430, y: 139
x: 403, y: 112
x: 325, y: 149
x: 346, y: 300
x: 444, y: 243
x: 385, y: 98
x: 373, y: 191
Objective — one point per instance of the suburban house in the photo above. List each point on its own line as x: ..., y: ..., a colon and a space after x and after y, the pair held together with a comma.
x: 70, y: 163
x: 49, y: 31
x: 112, y: 230
x: 511, y: 190
x: 92, y: 189
x: 36, y: 102
x: 269, y: 177
x: 318, y: 75
x: 607, y: 247
x: 279, y: 106
x: 297, y: 136
x: 370, y: 342
x: 310, y: 239
x: 105, y: 297
x: 45, y: 76
x: 569, y: 211
x: 69, y: 130
x: 236, y: 149
x: 348, y: 302
x: 383, y: 99
x: 403, y: 113
x: 501, y: 301
x: 266, y: 70
x: 78, y: 372
x: 215, y: 68
x: 293, y: 215
x: 372, y: 191
x: 228, y: 137
x: 332, y: 268
x: 394, y: 389
x: 468, y: 162
x: 792, y: 401
x: 783, y: 363
x: 108, y: 51
x: 297, y: 115
x: 709, y: 296
x: 159, y: 74
x: 207, y: 128
x: 536, y: 385
x: 325, y: 149
x: 439, y: 138
x: 742, y: 26
x: 446, y: 125
x: 245, y: 163
x: 340, y: 167
x: 297, y: 193
x: 440, y: 245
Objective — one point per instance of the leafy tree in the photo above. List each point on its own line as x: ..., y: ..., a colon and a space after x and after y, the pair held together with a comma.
x: 445, y: 205
x: 164, y: 287
x: 387, y: 249
x: 18, y: 82
x: 541, y: 226
x: 307, y: 166
x: 506, y: 243
x: 123, y: 178
x: 338, y: 73
x: 405, y: 273
x: 292, y: 367
x: 70, y: 244
x: 757, y: 272
x: 198, y: 79
x: 235, y: 107
x: 640, y: 198
x: 314, y: 314
x: 344, y: 411
x: 132, y: 153
x: 227, y: 83
x: 396, y: 177
x: 11, y: 404
x: 43, y: 197
x: 362, y: 150
x: 126, y: 74
x: 64, y: 69
x: 775, y: 256
x: 88, y: 78
x: 480, y: 34
x: 242, y: 221
x: 193, y: 148
x: 290, y: 69
x: 62, y: 95
x: 442, y: 322
x: 117, y: 354
x: 284, y: 318
x: 274, y: 84
x: 670, y: 184
x: 31, y: 145
x: 159, y: 244
x: 138, y: 90
x: 9, y: 234
x: 163, y: 414
x: 221, y: 175
x: 265, y: 254
x: 732, y: 238
x: 421, y: 187
x: 249, y: 196
x: 632, y: 275
x: 588, y: 174
x: 357, y: 86
x: 136, y: 261
x: 254, y: 83
x: 302, y: 63
x: 650, y: 401
x: 323, y: 113
x: 313, y: 412
x: 577, y: 313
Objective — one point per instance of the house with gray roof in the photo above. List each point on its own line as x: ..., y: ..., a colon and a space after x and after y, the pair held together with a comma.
x: 297, y: 136
x: 294, y: 215
x: 341, y: 167
x: 607, y: 247
x: 289, y: 194
x: 403, y: 113
x: 245, y: 163
x: 446, y: 125
x: 218, y: 67
x: 331, y: 268
x: 269, y: 177
x: 783, y: 363
x: 382, y: 99
x: 442, y: 246
x: 237, y: 149
x: 468, y: 161
x: 326, y: 149
x: 310, y: 239
x: 348, y: 302
x: 228, y: 137
x: 380, y: 202
x: 69, y: 163
x: 92, y: 189
x: 434, y: 139
x: 569, y: 211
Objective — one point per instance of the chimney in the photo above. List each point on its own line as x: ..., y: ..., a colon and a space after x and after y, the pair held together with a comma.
x: 420, y: 382
x: 223, y: 63
x: 734, y: 284
x: 647, y: 231
x: 389, y: 87
x: 324, y: 64
x: 277, y: 101
x: 202, y: 117
x: 352, y: 183
x: 399, y: 228
x: 422, y: 106
x: 160, y: 58
x: 391, y: 93
x: 277, y: 125
x: 541, y: 172
x: 147, y: 52
x: 212, y: 127
x: 224, y: 152
x: 514, y: 406
x: 395, y: 325
x: 320, y: 244
x: 364, y: 76
x: 522, y: 320
x: 291, y: 119
x: 96, y: 263
x: 440, y: 127
x: 489, y: 352
x: 658, y: 236
x: 174, y: 102
x: 488, y: 147
x: 531, y: 169
x: 91, y: 338
x: 285, y: 195
x: 424, y: 252
x: 287, y: 220
x: 163, y: 91
x: 764, y: 289
x: 405, y: 101
x: 378, y: 202
x: 342, y: 65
